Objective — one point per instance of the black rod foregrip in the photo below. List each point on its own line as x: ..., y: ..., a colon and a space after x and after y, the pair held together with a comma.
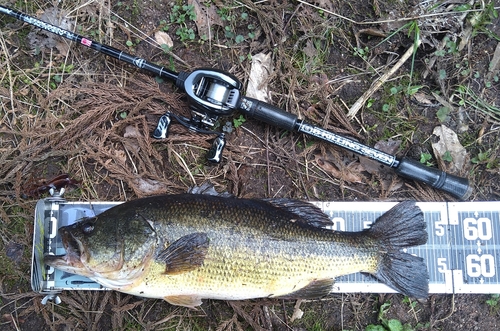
x: 454, y: 185
x: 268, y: 113
x: 105, y: 49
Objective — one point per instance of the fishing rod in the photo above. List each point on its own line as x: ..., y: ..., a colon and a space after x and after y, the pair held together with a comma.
x: 213, y: 93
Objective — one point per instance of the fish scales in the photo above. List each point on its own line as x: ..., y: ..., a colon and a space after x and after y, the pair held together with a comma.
x: 252, y: 249
x: 184, y: 248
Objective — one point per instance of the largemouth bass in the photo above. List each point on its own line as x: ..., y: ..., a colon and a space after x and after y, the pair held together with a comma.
x: 188, y: 247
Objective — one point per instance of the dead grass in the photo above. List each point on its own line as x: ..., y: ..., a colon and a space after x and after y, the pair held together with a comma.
x: 69, y: 110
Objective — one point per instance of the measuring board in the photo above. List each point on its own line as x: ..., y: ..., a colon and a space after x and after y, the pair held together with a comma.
x: 462, y: 253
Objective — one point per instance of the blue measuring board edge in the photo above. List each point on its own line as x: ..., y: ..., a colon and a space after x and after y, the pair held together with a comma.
x: 462, y: 253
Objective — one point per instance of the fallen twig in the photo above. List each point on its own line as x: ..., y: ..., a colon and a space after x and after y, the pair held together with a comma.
x: 381, y: 80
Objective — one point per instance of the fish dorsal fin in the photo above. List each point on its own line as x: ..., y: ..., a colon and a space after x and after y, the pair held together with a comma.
x: 316, y: 289
x: 185, y: 254
x: 306, y: 213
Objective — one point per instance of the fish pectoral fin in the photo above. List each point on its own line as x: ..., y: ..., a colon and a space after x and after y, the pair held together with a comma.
x: 185, y: 254
x: 190, y: 301
x: 316, y: 289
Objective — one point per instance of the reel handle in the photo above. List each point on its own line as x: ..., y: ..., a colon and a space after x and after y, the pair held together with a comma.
x: 214, y: 154
x: 161, y: 131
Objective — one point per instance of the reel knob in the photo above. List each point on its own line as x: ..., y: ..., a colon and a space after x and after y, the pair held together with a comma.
x: 215, y: 153
x: 161, y: 131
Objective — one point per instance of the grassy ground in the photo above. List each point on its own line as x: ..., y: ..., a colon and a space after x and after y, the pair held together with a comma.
x: 67, y: 109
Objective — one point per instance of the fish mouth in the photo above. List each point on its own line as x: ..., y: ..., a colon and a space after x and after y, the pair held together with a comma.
x: 71, y: 261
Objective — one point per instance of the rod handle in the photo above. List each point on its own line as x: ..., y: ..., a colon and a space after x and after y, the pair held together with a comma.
x: 456, y: 186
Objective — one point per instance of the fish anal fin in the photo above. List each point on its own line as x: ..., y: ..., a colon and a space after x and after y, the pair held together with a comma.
x: 190, y: 301
x: 316, y: 289
x: 185, y: 254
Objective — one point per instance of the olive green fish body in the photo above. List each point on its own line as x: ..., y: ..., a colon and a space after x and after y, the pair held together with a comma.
x: 184, y: 248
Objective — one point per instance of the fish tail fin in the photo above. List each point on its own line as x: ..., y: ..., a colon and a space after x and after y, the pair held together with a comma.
x: 402, y: 226
x: 405, y: 273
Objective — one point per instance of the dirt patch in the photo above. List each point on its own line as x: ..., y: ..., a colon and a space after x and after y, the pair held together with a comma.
x: 67, y: 109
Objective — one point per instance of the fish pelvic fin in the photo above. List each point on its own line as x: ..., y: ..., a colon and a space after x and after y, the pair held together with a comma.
x: 190, y: 301
x: 400, y: 227
x: 185, y: 254
x: 316, y: 289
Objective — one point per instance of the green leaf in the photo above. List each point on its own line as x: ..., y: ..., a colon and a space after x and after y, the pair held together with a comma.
x: 239, y: 39
x: 425, y: 157
x: 413, y: 89
x: 481, y: 157
x: 447, y: 156
x: 394, y: 325
x: 442, y: 113
x: 462, y: 7
x: 165, y: 48
x: 239, y: 121
x: 372, y: 327
x: 442, y: 74
x: 441, y: 52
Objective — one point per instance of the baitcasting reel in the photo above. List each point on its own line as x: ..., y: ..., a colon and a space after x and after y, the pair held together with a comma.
x: 211, y: 93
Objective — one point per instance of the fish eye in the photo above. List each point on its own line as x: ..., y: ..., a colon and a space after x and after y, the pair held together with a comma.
x: 87, y: 228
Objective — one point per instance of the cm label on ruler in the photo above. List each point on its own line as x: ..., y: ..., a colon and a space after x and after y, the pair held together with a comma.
x: 475, y: 232
x: 479, y: 230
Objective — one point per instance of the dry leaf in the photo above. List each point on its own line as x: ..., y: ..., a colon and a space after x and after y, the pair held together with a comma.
x: 389, y: 182
x: 389, y: 147
x: 131, y: 132
x: 450, y: 154
x: 310, y: 51
x: 259, y: 73
x: 297, y: 312
x: 148, y: 186
x: 44, y: 39
x: 162, y: 38
x: 423, y: 99
x: 205, y: 17
x: 349, y: 173
x: 119, y: 156
x: 320, y: 79
x: 14, y: 251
